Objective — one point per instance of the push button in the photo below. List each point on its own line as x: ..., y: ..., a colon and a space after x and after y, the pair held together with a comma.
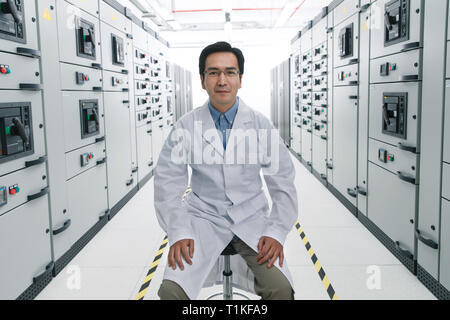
x: 5, y: 69
x: 14, y: 189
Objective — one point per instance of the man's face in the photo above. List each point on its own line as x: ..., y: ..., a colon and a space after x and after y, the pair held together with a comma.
x: 222, y: 87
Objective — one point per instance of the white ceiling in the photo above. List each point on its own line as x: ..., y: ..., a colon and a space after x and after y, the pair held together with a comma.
x: 249, y: 19
x: 244, y: 14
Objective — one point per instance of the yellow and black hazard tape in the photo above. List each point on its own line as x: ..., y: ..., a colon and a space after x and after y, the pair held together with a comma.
x: 152, y: 270
x: 317, y: 265
x: 159, y: 254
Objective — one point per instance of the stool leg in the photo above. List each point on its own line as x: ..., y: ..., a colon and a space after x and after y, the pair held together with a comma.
x: 227, y: 277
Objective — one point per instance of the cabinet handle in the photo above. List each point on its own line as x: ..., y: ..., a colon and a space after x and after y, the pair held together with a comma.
x: 353, y: 61
x: 329, y: 166
x: 129, y: 183
x: 406, y: 178
x: 99, y: 139
x: 97, y: 89
x: 101, y: 161
x: 404, y: 252
x: 361, y: 191
x: 97, y: 66
x: 407, y: 148
x: 353, y: 97
x: 29, y: 52
x: 309, y: 130
x: 411, y: 46
x: 324, y: 137
x: 42, y: 193
x: 412, y: 77
x: 351, y: 192
x: 365, y: 7
x: 150, y: 164
x: 124, y: 71
x: 426, y: 241
x: 323, y: 176
x: 30, y: 86
x: 35, y: 162
x: 63, y: 228
x: 134, y: 170
x: 48, y: 269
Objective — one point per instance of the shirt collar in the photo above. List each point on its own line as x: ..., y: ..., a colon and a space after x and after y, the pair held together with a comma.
x: 229, y: 115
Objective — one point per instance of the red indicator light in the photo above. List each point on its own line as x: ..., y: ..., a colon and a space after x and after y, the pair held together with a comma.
x: 3, y: 70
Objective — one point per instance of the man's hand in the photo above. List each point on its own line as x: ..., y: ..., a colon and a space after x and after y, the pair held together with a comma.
x: 180, y: 248
x: 269, y: 249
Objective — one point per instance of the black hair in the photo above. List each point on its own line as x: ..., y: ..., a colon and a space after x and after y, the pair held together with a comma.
x: 221, y: 46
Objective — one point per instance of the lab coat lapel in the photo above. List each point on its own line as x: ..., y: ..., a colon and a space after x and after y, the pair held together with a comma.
x: 209, y: 130
x: 242, y: 123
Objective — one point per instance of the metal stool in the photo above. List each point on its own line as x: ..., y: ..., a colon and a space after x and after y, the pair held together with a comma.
x: 227, y: 276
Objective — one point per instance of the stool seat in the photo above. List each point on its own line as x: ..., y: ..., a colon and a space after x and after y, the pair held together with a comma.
x: 229, y: 250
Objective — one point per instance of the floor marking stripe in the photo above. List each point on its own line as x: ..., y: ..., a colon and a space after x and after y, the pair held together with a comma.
x: 152, y: 270
x: 157, y: 259
x: 320, y: 271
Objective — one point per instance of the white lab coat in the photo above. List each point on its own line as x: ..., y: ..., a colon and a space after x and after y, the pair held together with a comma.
x: 205, y: 215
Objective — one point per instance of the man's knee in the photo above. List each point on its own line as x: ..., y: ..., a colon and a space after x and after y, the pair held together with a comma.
x: 281, y: 291
x: 276, y: 288
x: 170, y: 290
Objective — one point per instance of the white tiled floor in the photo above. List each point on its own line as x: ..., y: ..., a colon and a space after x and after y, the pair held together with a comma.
x: 114, y: 263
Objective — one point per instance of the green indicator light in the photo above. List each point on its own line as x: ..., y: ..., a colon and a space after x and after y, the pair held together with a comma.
x: 8, y: 131
x: 89, y: 117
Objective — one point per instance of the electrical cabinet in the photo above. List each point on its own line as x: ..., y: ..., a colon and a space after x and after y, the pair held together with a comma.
x: 359, y: 87
x: 80, y: 32
x: 345, y: 115
x: 396, y: 218
x: 92, y: 91
x: 446, y: 155
x: 401, y: 27
x: 25, y: 245
x: 444, y: 276
x: 118, y: 146
x: 15, y: 131
x: 395, y: 121
x: 157, y: 138
x: 25, y: 248
x: 346, y: 42
x: 18, y: 32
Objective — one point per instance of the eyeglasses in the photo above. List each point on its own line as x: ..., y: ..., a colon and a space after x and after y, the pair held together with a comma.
x: 231, y: 73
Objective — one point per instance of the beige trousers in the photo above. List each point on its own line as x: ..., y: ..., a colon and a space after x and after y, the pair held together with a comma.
x: 270, y: 283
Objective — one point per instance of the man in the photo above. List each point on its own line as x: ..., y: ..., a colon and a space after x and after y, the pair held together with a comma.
x: 227, y: 203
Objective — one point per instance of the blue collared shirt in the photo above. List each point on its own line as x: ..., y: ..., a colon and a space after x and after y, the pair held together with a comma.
x: 224, y: 123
